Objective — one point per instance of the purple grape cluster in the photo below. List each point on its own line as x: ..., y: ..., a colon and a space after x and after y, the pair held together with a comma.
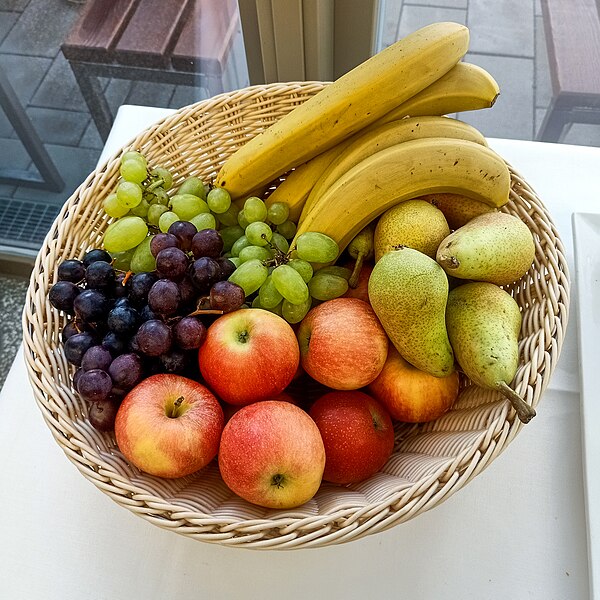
x: 124, y: 327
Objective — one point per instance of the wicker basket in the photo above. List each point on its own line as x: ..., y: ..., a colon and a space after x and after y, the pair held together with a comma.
x: 430, y: 461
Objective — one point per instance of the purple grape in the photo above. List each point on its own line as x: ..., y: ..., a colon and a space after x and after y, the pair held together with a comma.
x: 91, y: 306
x: 174, y: 361
x: 78, y: 373
x: 70, y: 329
x: 96, y: 255
x: 226, y: 266
x: 126, y: 371
x: 62, y: 296
x: 207, y: 242
x: 189, y: 333
x: 204, y: 272
x: 161, y: 241
x: 226, y: 296
x: 102, y: 414
x: 71, y: 270
x: 189, y: 294
x: 154, y: 338
x: 164, y: 297
x: 139, y: 286
x: 100, y: 276
x: 146, y: 313
x: 123, y: 320
x: 94, y: 385
x: 184, y: 231
x: 96, y: 357
x: 120, y: 290
x: 171, y: 263
x: 114, y: 344
x: 77, y: 345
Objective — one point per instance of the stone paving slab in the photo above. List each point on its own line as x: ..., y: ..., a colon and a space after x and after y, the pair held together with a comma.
x: 24, y: 73
x: 7, y: 20
x: 59, y: 88
x: 504, y: 28
x: 543, y: 85
x: 413, y: 17
x: 54, y: 126
x: 439, y: 3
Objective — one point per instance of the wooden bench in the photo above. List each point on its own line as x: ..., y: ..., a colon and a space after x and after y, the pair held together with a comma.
x: 180, y: 42
x: 572, y: 29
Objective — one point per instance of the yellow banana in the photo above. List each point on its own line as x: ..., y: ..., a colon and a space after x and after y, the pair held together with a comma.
x: 465, y: 87
x: 390, y: 134
x: 355, y: 100
x: 405, y: 171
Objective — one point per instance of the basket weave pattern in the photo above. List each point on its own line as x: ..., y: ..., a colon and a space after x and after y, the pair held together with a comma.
x: 430, y: 461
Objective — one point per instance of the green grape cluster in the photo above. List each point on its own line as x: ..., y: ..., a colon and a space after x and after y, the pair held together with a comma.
x: 273, y: 276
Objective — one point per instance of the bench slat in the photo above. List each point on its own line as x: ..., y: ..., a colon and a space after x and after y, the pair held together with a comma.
x: 99, y: 26
x: 206, y: 37
x: 573, y: 39
x: 151, y: 33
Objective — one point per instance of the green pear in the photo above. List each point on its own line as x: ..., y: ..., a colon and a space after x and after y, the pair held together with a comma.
x: 483, y: 323
x: 414, y: 223
x: 494, y: 247
x: 408, y: 292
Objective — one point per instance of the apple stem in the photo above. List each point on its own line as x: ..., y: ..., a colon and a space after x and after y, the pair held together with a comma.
x: 176, y: 405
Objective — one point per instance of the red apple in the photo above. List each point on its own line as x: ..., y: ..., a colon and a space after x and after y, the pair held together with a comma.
x: 361, y: 291
x: 271, y: 454
x: 169, y: 426
x: 230, y: 409
x: 357, y: 432
x: 249, y: 355
x: 412, y: 395
x: 342, y: 344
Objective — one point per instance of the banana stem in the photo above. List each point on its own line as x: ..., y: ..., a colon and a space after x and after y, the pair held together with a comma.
x: 353, y: 280
x: 524, y: 411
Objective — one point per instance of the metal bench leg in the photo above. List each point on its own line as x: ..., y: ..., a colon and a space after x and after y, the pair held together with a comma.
x: 50, y: 178
x: 94, y: 98
x: 553, y: 125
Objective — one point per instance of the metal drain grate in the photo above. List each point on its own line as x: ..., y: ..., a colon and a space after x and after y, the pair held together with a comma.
x: 24, y: 223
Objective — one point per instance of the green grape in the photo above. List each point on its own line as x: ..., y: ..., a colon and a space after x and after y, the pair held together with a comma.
x: 134, y: 155
x: 256, y: 303
x: 316, y: 247
x: 294, y: 313
x: 336, y: 270
x: 277, y: 309
x: 287, y: 229
x: 239, y: 245
x: 122, y: 260
x: 236, y: 261
x: 165, y: 175
x: 129, y: 193
x: 133, y: 170
x: 218, y: 200
x: 250, y: 252
x: 268, y: 294
x: 289, y: 284
x: 242, y: 221
x: 124, y: 234
x: 280, y: 242
x: 324, y: 286
x: 188, y: 206
x: 230, y: 236
x: 154, y: 213
x: 142, y: 260
x: 160, y: 197
x: 230, y: 217
x: 141, y: 210
x: 166, y: 220
x: 259, y: 233
x: 278, y: 213
x: 204, y: 221
x: 193, y: 185
x: 255, y: 210
x: 249, y: 275
x: 113, y: 208
x: 304, y: 268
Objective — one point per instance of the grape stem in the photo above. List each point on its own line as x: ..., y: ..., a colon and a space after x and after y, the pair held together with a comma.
x: 206, y: 311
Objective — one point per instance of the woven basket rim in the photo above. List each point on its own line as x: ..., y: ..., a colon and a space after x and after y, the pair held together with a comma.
x: 238, y: 526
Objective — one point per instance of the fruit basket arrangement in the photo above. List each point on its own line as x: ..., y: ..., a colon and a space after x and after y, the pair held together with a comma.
x: 430, y: 460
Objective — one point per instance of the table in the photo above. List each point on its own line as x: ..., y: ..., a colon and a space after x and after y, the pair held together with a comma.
x: 513, y: 532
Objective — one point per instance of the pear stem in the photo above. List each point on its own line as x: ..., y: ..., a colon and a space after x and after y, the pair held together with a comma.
x: 524, y: 411
x: 353, y: 280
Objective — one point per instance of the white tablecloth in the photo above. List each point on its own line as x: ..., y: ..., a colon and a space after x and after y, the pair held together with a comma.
x: 517, y: 531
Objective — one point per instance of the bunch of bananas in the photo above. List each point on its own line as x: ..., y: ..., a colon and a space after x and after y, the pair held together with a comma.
x: 376, y: 137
